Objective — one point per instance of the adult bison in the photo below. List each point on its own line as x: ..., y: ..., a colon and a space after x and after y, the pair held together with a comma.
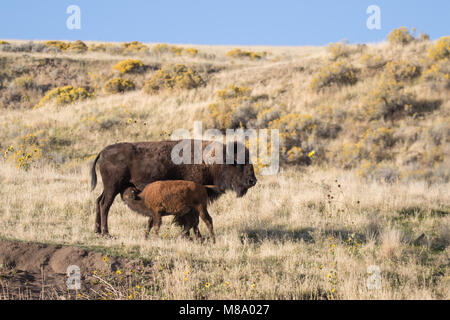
x: 124, y: 165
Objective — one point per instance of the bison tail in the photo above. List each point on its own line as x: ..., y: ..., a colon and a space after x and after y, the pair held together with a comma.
x: 93, y: 173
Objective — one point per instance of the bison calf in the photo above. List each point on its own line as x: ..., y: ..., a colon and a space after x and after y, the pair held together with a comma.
x: 186, y: 200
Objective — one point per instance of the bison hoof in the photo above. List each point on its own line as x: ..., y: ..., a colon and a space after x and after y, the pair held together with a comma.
x: 107, y: 236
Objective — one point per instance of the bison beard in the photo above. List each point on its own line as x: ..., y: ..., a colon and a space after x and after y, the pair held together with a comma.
x: 124, y: 165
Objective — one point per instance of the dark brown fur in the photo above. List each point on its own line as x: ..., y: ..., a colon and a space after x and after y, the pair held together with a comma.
x: 186, y: 200
x: 125, y: 165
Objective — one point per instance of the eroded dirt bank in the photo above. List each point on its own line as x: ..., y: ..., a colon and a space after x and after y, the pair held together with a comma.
x: 39, y: 271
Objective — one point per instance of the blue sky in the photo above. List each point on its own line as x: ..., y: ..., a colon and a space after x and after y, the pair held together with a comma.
x: 262, y: 22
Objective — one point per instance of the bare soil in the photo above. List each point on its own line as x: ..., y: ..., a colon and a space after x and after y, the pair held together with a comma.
x: 39, y: 271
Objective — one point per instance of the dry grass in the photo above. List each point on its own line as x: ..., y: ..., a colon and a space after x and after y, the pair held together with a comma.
x: 281, y: 241
x: 306, y: 233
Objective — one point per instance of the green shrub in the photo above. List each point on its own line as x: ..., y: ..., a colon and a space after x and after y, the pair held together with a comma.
x: 64, y: 95
x: 173, y: 76
x: 440, y: 50
x: 129, y: 66
x: 118, y: 85
x: 400, y: 36
x: 338, y: 73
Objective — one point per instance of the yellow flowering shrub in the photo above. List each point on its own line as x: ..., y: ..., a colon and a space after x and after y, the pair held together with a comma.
x: 440, y: 50
x: 57, y: 44
x: 162, y: 48
x: 377, y: 142
x: 100, y: 47
x: 77, y: 46
x: 382, y: 171
x: 129, y: 66
x: 118, y: 85
x: 388, y: 100
x: 438, y: 74
x: 238, y: 53
x: 424, y: 37
x: 175, y: 50
x: 374, y: 146
x: 338, y: 73
x: 173, y: 76
x: 190, y: 51
x: 402, y: 70
x: 263, y: 159
x: 64, y: 95
x: 297, y: 137
x: 3, y: 42
x: 338, y: 50
x: 400, y: 36
x: 27, y: 151
x: 24, y: 82
x: 371, y: 61
x: 229, y: 100
x: 133, y: 47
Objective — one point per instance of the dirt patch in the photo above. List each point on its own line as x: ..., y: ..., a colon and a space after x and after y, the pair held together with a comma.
x: 39, y: 271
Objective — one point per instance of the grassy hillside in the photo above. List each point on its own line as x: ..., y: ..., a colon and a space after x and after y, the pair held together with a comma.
x: 365, y: 160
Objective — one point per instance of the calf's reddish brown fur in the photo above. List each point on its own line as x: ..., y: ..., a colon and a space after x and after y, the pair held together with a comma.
x: 186, y: 200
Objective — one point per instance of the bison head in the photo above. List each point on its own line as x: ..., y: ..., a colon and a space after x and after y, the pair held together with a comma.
x: 236, y: 177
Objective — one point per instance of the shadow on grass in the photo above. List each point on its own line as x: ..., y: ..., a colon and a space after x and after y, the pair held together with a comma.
x: 278, y: 234
x: 344, y: 235
x: 422, y: 212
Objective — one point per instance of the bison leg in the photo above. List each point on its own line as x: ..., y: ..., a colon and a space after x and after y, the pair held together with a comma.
x: 157, y: 222
x: 97, y: 216
x: 208, y: 221
x: 114, y: 181
x: 189, y: 221
x: 149, y: 227
x: 197, y: 234
x: 105, y: 205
